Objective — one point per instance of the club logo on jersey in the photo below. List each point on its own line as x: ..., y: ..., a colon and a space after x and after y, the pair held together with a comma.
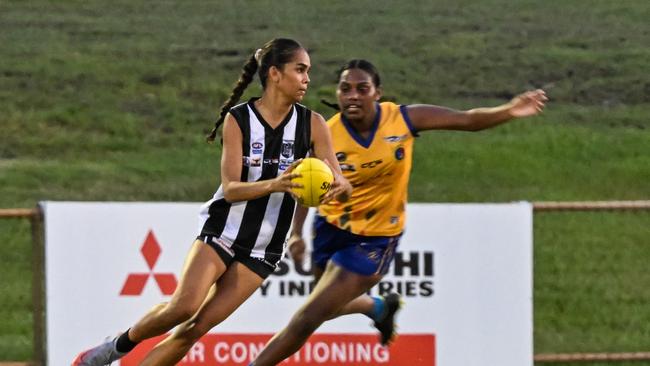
x: 395, y: 138
x: 399, y: 153
x: 341, y: 156
x: 371, y: 164
x: 287, y: 148
x: 257, y: 147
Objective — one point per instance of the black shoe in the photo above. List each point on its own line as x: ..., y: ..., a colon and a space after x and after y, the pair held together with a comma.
x: 386, y: 323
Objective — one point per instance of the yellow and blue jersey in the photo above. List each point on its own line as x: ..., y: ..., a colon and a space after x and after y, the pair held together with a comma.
x: 378, y: 167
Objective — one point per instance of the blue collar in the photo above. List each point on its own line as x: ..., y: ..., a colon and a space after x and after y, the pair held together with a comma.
x: 373, y: 129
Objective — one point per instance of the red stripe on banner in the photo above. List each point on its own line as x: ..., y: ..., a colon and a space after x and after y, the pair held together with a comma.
x: 320, y: 349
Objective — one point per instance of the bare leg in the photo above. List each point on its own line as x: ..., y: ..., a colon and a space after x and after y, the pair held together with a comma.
x: 236, y: 285
x: 202, y: 268
x: 318, y: 272
x: 363, y: 304
x: 320, y: 306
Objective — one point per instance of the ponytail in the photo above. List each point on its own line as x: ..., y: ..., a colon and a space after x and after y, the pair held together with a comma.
x: 248, y: 72
x: 277, y: 52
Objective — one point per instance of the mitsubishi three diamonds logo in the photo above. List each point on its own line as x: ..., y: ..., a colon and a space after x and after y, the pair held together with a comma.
x: 135, y: 282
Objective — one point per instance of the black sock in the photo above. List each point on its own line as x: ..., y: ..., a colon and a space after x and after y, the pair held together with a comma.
x: 124, y: 344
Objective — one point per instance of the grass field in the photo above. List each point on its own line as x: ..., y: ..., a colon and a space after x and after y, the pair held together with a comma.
x: 111, y: 100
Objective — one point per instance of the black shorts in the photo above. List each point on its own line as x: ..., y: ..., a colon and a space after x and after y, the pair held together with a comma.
x: 260, y: 266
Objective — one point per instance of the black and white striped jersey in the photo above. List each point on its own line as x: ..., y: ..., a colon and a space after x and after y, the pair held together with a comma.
x: 259, y: 226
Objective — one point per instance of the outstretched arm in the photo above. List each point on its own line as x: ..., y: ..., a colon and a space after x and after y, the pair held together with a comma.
x: 430, y: 117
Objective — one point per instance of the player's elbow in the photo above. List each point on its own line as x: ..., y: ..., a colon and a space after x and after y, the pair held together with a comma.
x: 229, y: 194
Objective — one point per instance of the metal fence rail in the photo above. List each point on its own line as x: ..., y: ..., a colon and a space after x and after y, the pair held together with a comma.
x: 591, y: 206
x: 592, y: 357
x: 18, y: 212
x: 34, y: 215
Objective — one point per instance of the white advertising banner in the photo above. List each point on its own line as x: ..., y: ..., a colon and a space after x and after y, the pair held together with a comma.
x: 464, y: 270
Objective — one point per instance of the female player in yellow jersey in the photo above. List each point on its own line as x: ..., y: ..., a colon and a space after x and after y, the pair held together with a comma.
x: 355, y: 241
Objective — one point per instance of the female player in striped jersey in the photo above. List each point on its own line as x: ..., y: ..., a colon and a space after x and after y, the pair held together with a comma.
x: 245, y: 225
x: 355, y: 241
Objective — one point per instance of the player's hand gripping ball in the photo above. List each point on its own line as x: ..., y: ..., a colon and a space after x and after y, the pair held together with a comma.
x: 316, y: 179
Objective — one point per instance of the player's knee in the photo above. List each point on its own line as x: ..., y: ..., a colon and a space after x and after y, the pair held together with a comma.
x: 180, y: 312
x: 306, y: 322
x: 188, y: 333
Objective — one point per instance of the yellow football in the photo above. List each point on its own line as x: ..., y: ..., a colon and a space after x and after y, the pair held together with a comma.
x: 316, y: 179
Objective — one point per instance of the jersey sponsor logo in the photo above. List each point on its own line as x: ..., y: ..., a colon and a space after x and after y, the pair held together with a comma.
x: 341, y: 156
x: 257, y: 147
x: 285, y: 163
x: 399, y: 153
x: 395, y: 138
x: 347, y: 168
x: 287, y: 148
x: 371, y: 164
x: 256, y: 162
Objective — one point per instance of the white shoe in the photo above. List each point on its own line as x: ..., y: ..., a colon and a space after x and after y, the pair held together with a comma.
x: 101, y: 355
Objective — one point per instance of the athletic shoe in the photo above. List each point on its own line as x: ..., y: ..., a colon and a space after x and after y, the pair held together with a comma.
x: 102, y: 355
x: 386, y: 323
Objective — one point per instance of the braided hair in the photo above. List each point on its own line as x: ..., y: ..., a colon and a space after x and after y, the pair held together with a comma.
x: 276, y: 52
